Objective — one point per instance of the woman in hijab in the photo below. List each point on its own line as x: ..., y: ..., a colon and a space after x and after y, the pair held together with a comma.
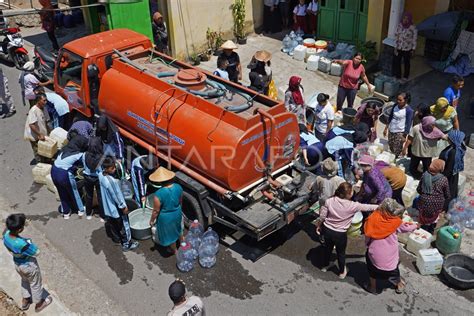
x: 434, y: 192
x: 375, y: 186
x: 92, y: 161
x: 405, y: 45
x: 62, y: 174
x: 368, y: 113
x: 453, y: 156
x: 294, y: 101
x: 108, y: 132
x: 382, y: 254
x: 423, y: 139
x: 446, y: 119
x: 312, y: 149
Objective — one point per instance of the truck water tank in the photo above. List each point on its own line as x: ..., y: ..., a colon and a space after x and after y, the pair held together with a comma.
x: 225, y: 147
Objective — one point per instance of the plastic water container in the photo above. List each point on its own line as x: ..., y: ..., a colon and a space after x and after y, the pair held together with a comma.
x: 448, y: 240
x: 48, y: 147
x: 379, y: 82
x: 50, y: 184
x: 336, y: 69
x: 60, y: 136
x: 196, y: 228
x: 185, y: 258
x: 299, y: 52
x: 429, y: 261
x: 313, y: 62
x: 391, y: 87
x: 386, y: 157
x: 364, y: 91
x: 419, y: 239
x: 40, y: 172
x: 195, y: 242
x: 310, y: 51
x: 403, y: 238
x: 211, y: 238
x: 127, y: 189
x: 356, y: 224
x: 207, y: 256
x: 337, y: 118
x: 375, y: 149
x: 324, y: 64
x: 286, y: 43
x: 409, y: 193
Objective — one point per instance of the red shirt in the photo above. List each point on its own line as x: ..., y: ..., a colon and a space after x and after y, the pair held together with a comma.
x: 351, y: 75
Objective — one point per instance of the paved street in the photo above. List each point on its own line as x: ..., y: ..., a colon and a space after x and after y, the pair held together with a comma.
x: 92, y: 275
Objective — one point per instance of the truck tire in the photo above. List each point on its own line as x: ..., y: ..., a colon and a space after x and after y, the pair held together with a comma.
x: 191, y: 210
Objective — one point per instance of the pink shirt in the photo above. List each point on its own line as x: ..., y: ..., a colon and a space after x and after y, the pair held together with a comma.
x: 384, y: 253
x: 337, y: 213
x: 351, y: 75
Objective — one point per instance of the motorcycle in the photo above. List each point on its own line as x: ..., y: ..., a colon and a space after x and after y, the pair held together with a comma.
x: 11, y: 48
x: 44, y: 63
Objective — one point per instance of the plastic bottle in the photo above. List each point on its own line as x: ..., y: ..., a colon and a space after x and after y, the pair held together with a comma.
x: 196, y: 228
x: 185, y: 258
x: 211, y: 238
x: 207, y: 256
x: 286, y: 44
x: 299, y: 39
x: 194, y: 241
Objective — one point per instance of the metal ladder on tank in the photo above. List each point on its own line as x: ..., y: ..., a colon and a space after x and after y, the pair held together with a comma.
x: 156, y: 117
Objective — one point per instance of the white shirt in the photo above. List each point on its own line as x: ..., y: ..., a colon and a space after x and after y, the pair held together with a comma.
x: 300, y: 10
x: 397, y: 125
x: 31, y: 82
x: 60, y: 105
x: 322, y: 115
x: 313, y: 6
x: 221, y: 73
x: 192, y: 307
x: 39, y: 117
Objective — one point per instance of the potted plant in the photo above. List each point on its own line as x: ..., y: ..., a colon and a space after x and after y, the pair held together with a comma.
x: 205, y: 56
x: 238, y: 13
x: 195, y: 58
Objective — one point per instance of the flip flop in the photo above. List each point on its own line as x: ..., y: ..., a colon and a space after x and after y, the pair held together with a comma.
x: 26, y: 306
x: 402, y: 289
x: 45, y: 304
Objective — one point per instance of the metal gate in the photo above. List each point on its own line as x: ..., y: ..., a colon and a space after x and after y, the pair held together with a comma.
x: 343, y: 20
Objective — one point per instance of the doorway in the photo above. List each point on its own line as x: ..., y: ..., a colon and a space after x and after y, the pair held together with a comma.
x: 343, y: 20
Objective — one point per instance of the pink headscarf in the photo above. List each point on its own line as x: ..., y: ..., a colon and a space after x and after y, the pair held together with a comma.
x: 410, y: 19
x: 429, y: 130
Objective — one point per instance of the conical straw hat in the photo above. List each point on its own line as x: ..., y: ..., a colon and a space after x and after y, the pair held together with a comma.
x: 162, y: 175
x: 263, y: 56
x: 229, y: 45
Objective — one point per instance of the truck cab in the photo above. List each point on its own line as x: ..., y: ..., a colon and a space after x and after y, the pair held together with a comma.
x: 81, y: 64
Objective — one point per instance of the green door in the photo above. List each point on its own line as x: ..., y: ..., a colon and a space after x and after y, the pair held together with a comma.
x: 327, y: 19
x: 130, y: 14
x: 347, y: 20
x: 343, y: 20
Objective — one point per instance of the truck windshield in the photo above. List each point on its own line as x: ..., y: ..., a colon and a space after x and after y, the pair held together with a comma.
x: 70, y: 69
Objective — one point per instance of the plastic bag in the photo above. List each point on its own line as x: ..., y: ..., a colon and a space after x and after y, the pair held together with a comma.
x: 272, y: 90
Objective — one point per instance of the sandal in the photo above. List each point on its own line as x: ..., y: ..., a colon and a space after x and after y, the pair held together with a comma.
x: 26, y: 306
x: 400, y: 287
x: 366, y: 287
x: 45, y: 304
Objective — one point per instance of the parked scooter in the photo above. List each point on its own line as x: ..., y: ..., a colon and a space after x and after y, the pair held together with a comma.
x: 11, y: 48
x: 44, y: 63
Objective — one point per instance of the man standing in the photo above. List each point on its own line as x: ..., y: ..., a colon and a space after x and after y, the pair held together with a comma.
x: 160, y: 33
x: 7, y: 107
x: 453, y: 92
x: 57, y: 107
x: 36, y: 127
x: 24, y: 253
x: 114, y: 206
x: 183, y: 305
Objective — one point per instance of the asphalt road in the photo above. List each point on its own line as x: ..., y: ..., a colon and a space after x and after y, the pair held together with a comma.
x: 284, y: 281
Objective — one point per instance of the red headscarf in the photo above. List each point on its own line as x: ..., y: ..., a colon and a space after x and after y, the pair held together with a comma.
x: 410, y: 19
x: 294, y: 87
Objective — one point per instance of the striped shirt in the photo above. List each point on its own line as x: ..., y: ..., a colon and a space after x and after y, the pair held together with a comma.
x: 22, y: 249
x: 112, y: 196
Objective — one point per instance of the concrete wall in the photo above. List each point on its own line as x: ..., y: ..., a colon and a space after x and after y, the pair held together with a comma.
x: 377, y: 23
x: 188, y: 21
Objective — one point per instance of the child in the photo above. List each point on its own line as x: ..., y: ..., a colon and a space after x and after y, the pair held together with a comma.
x: 141, y: 168
x: 114, y: 205
x: 221, y: 71
x: 299, y: 16
x: 92, y: 160
x: 313, y: 10
x: 24, y: 253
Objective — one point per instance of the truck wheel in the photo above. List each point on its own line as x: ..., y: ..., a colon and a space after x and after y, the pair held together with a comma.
x: 191, y: 210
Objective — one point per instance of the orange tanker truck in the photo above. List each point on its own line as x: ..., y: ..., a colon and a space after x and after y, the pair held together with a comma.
x: 232, y: 149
